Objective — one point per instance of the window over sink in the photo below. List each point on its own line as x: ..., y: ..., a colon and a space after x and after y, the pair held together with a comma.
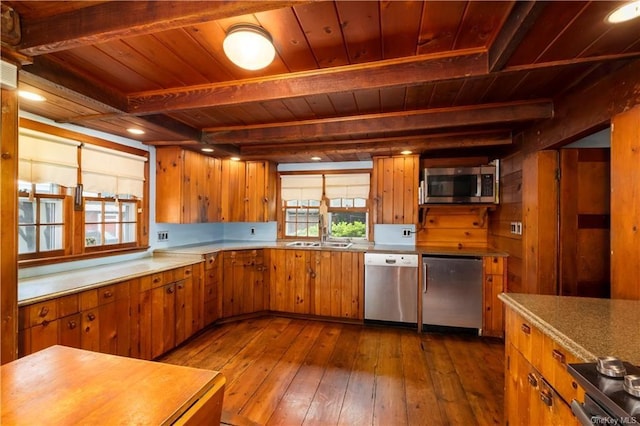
x: 339, y: 201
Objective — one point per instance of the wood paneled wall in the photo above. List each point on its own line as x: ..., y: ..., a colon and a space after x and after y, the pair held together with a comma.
x: 509, y: 210
x: 8, y: 227
x: 625, y: 205
x: 453, y: 226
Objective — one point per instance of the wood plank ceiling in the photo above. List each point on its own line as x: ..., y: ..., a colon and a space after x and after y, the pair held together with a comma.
x: 351, y: 79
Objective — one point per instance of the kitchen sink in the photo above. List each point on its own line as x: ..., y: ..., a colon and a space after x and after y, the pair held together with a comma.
x: 328, y: 244
x: 304, y: 244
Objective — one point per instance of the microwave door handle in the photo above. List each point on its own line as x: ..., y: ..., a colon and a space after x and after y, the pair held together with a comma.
x: 479, y: 185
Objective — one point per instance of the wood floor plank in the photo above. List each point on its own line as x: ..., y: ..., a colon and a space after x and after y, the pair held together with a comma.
x: 261, y: 406
x: 422, y: 401
x: 327, y: 402
x: 285, y: 371
x: 390, y: 403
x: 292, y: 408
x: 359, y: 399
x: 452, y: 400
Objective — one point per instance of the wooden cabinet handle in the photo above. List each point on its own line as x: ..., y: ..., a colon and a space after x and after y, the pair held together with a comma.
x: 558, y: 356
x: 532, y: 380
x: 180, y: 286
x: 44, y: 311
x: 546, y: 397
x: 187, y: 272
x: 525, y: 329
x: 170, y: 290
x: 45, y: 323
x: 489, y: 279
x: 91, y: 316
x: 156, y: 280
x: 72, y: 324
x: 107, y: 294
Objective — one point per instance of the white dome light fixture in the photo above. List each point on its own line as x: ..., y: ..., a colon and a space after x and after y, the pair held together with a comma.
x: 249, y: 46
x: 625, y: 12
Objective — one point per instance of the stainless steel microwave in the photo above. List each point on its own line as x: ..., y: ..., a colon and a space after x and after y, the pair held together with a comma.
x: 460, y: 185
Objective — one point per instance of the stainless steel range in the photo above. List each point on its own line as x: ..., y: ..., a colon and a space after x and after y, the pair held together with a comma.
x: 612, y: 391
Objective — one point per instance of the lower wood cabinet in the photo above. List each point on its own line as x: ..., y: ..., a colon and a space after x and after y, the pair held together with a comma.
x: 494, y: 280
x: 326, y: 283
x: 244, y: 288
x: 537, y: 383
x: 212, y: 288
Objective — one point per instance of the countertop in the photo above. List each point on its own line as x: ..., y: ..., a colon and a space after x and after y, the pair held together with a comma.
x: 587, y: 327
x: 43, y: 287
x: 212, y: 247
x: 62, y: 385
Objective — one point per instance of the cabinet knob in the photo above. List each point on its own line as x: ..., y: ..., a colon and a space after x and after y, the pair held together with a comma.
x: 107, y: 294
x: 546, y: 397
x: 532, y: 380
x: 91, y: 316
x: 44, y: 311
x: 72, y: 324
x: 525, y: 329
x: 180, y: 286
x: 187, y: 272
x: 169, y: 290
x: 558, y: 356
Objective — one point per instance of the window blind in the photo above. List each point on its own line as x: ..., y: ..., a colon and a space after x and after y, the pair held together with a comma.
x: 301, y: 187
x: 353, y: 185
x: 109, y: 171
x: 44, y: 158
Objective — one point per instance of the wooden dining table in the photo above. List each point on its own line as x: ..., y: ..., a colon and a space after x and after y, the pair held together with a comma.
x: 67, y: 386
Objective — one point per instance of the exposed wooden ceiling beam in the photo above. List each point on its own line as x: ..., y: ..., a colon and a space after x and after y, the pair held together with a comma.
x: 438, y: 118
x: 410, y: 71
x: 379, y: 145
x: 520, y: 20
x: 113, y: 20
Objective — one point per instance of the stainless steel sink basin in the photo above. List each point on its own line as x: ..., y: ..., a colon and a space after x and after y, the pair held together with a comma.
x: 328, y: 244
x: 336, y: 244
x: 304, y: 244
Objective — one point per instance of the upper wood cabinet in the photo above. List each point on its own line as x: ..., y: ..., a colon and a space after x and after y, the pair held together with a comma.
x: 248, y: 192
x: 394, y: 189
x: 187, y: 186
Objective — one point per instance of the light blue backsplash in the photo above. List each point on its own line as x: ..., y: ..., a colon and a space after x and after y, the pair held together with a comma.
x: 183, y: 234
x: 392, y: 234
x: 241, y: 231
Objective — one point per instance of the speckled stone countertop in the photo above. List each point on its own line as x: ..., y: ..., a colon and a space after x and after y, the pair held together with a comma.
x: 587, y: 327
x: 212, y: 247
x: 45, y: 287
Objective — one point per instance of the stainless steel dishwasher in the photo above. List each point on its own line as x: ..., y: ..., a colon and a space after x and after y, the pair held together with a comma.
x: 452, y: 292
x: 391, y: 287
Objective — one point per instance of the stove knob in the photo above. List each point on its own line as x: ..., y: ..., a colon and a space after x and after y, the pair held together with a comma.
x: 632, y: 384
x: 611, y: 367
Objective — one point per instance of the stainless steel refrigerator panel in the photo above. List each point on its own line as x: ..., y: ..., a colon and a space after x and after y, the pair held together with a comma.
x: 452, y: 292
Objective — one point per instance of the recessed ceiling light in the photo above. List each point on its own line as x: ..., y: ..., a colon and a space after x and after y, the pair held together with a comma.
x: 234, y: 158
x: 625, y: 12
x: 135, y: 131
x: 249, y: 46
x: 31, y: 96
x: 207, y: 150
x: 405, y: 152
x: 316, y: 158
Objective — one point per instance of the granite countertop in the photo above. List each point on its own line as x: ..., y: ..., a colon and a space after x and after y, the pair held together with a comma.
x: 44, y: 287
x: 587, y: 327
x: 212, y: 247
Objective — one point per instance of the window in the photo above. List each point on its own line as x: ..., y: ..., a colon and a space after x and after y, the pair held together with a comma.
x: 78, y: 198
x: 41, y: 227
x: 109, y: 221
x: 343, y: 197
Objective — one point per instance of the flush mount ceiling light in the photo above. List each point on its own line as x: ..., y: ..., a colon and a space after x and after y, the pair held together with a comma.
x: 206, y: 149
x: 135, y: 131
x: 406, y: 152
x: 31, y: 96
x: 249, y: 46
x: 625, y: 12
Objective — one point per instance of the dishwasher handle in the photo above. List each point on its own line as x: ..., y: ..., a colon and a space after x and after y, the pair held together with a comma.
x: 390, y: 261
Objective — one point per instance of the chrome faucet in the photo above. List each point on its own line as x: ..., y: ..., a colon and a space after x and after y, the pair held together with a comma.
x: 322, y: 229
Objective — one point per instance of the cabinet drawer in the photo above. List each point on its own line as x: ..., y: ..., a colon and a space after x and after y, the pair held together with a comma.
x: 526, y: 338
x: 41, y: 312
x: 210, y: 260
x: 554, y: 360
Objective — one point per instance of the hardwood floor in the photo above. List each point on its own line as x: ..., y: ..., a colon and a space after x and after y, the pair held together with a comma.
x: 283, y: 371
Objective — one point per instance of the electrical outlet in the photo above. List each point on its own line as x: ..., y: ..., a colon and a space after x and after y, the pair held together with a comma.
x: 163, y: 235
x: 514, y: 228
x: 253, y: 230
x: 519, y: 228
x: 406, y: 232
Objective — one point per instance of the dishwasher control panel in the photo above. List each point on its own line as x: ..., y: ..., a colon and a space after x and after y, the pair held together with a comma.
x: 388, y: 259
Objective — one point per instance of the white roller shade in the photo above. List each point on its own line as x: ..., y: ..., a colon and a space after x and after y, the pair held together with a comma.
x: 354, y: 185
x: 301, y: 187
x: 45, y: 158
x: 110, y: 171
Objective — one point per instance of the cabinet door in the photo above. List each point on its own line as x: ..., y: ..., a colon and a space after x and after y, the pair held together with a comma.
x: 90, y: 323
x: 169, y: 190
x: 183, y: 309
x: 115, y: 328
x: 195, y: 308
x: 260, y: 291
x: 212, y: 288
x: 214, y: 183
x: 260, y: 191
x: 394, y: 184
x: 338, y: 286
x: 39, y: 337
x: 278, y: 280
x: 494, y: 268
x: 233, y: 190
x: 163, y: 319
x: 69, y: 331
